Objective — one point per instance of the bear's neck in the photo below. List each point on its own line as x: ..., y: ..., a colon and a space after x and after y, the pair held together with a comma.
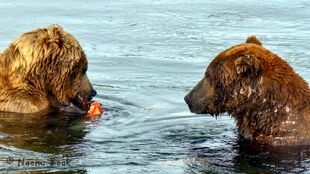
x: 274, y: 117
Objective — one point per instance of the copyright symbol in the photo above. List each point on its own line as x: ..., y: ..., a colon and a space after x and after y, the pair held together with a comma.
x: 10, y: 160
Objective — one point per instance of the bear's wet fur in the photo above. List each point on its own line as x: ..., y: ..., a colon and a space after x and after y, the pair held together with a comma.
x: 268, y: 99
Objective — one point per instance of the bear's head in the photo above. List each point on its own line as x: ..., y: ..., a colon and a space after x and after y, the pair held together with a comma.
x: 254, y: 85
x: 50, y: 63
x: 229, y: 79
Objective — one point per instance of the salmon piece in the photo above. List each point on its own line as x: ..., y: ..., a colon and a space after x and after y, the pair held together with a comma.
x: 95, y: 109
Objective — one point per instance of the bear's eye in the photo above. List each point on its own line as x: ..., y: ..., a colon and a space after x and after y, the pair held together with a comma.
x: 207, y: 76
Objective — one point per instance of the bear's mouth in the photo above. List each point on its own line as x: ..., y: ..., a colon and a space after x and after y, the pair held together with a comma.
x: 209, y: 109
x: 76, y: 106
x: 83, y: 105
x: 209, y: 112
x: 71, y: 108
x: 81, y: 102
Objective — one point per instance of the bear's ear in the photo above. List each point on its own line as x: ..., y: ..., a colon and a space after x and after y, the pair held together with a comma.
x: 253, y: 40
x: 248, y: 66
x: 56, y: 33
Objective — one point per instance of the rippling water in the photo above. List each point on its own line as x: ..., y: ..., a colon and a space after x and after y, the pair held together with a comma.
x: 144, y: 56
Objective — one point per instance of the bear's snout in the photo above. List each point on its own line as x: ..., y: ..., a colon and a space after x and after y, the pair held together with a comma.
x: 93, y: 93
x: 188, y: 102
x: 186, y: 99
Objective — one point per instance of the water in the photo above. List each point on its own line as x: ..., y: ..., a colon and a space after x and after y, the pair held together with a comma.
x: 144, y: 56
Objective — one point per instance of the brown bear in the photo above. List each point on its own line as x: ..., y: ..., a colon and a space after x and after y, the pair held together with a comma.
x: 44, y: 70
x: 268, y: 99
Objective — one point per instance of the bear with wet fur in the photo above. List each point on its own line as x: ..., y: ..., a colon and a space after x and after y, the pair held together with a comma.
x: 268, y: 99
x: 44, y: 70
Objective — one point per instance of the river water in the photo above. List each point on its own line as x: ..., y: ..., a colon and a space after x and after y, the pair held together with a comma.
x: 144, y: 56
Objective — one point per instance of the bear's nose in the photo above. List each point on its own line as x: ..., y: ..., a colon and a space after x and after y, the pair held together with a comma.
x: 93, y: 93
x: 187, y: 100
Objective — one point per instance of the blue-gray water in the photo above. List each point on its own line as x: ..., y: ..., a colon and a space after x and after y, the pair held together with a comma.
x: 144, y: 56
